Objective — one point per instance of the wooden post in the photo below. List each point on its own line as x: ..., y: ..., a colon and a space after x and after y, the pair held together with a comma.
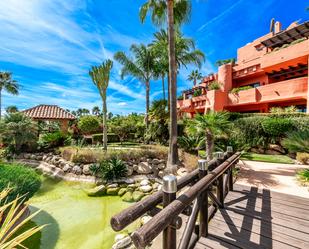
x: 169, y: 195
x: 203, y: 200
x: 229, y: 150
x: 220, y: 191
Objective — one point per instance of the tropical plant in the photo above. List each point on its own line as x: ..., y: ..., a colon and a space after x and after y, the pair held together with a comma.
x: 141, y: 67
x: 12, y: 221
x: 88, y: 124
x: 100, y: 76
x: 297, y: 141
x: 11, y: 109
x: 197, y: 92
x: 190, y: 143
x: 111, y: 169
x: 242, y: 88
x: 18, y: 132
x: 194, y: 76
x: 7, y: 84
x: 215, y: 85
x: 303, y: 176
x: 226, y: 61
x: 22, y: 181
x: 208, y: 126
x: 52, y: 140
x: 82, y: 112
x: 96, y: 111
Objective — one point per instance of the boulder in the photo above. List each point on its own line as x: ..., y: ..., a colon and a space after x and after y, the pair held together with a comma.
x: 161, y: 166
x: 86, y: 169
x: 33, y: 157
x: 155, y: 161
x: 122, y: 191
x: 129, y: 171
x: 144, y: 168
x: 132, y: 186
x: 135, y: 167
x: 137, y: 196
x: 272, y: 152
x: 155, y: 185
x: 76, y: 170
x: 145, y: 189
x: 144, y: 182
x: 97, y: 191
x: 39, y: 157
x: 277, y: 147
x: 112, y: 191
x: 127, y: 197
x: 123, y: 243
x: 66, y: 168
x: 161, y: 174
x: 112, y: 185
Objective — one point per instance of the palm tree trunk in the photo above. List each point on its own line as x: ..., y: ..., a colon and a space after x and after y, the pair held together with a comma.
x: 0, y: 103
x: 173, y: 150
x: 163, y: 86
x: 104, y: 123
x: 147, y: 104
x: 168, y: 93
x: 209, y: 145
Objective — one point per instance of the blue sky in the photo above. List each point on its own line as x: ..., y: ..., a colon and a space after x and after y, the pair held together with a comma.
x: 49, y: 45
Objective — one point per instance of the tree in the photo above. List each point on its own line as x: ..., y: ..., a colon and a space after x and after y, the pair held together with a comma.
x: 141, y: 67
x: 226, y: 61
x: 88, y: 124
x: 11, y: 109
x: 194, y: 76
x: 209, y: 125
x: 96, y: 111
x: 7, y: 84
x: 100, y: 76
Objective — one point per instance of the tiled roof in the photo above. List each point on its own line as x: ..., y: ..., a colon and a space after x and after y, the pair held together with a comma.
x: 48, y: 112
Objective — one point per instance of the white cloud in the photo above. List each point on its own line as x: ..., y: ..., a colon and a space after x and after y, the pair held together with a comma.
x: 122, y: 103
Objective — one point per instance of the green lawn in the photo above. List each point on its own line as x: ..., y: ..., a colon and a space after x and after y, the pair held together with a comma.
x: 267, y: 158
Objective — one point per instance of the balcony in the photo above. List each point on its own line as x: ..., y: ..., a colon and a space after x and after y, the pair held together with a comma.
x: 298, y: 52
x: 242, y: 97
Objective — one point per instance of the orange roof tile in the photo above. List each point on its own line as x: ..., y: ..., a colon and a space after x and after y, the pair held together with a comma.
x: 48, y: 112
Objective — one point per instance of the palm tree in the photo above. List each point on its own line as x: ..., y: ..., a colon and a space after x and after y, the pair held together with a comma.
x: 11, y: 109
x: 96, y: 110
x: 8, y: 84
x: 141, y: 66
x: 194, y: 76
x: 209, y: 125
x: 100, y: 76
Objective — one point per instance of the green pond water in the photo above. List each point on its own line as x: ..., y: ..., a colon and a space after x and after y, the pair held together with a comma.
x: 75, y: 220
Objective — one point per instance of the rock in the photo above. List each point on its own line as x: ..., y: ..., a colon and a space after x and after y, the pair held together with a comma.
x: 155, y: 185
x: 76, y: 170
x: 122, y: 191
x: 129, y: 171
x: 277, y: 147
x: 127, y: 197
x: 145, y: 189
x: 44, y: 157
x: 137, y: 196
x: 145, y: 219
x: 144, y: 182
x: 132, y: 186
x: 135, y: 167
x: 112, y: 185
x: 182, y: 171
x: 161, y: 174
x: 272, y: 152
x: 33, y: 157
x: 155, y: 161
x: 86, y: 169
x: 161, y: 166
x: 66, y: 168
x: 112, y: 191
x: 39, y: 158
x: 144, y: 168
x: 123, y: 243
x: 97, y: 191
x: 120, y: 236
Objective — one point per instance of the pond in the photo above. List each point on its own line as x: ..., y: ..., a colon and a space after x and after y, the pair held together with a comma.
x: 75, y: 220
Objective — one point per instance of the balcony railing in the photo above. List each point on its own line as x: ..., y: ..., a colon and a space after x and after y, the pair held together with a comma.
x: 242, y: 97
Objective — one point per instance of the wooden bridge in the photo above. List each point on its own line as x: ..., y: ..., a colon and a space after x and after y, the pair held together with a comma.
x: 213, y: 212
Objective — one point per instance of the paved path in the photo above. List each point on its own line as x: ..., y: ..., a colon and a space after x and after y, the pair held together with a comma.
x: 274, y: 176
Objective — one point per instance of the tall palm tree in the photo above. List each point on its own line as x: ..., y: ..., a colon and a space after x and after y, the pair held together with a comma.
x: 208, y: 126
x: 96, y: 110
x: 141, y: 67
x: 194, y: 76
x: 11, y: 109
x: 100, y: 76
x: 8, y: 84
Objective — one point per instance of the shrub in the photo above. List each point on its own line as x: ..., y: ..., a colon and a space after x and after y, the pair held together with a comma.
x: 215, y: 85
x: 111, y: 169
x: 289, y: 109
x: 197, y: 92
x: 301, y: 123
x: 88, y: 124
x: 190, y: 143
x: 111, y: 137
x: 52, y: 140
x: 302, y: 157
x: 276, y: 127
x: 303, y: 176
x: 242, y: 88
x: 297, y: 141
x: 23, y: 181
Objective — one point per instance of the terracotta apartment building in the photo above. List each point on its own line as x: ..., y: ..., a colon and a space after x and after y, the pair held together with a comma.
x: 271, y: 71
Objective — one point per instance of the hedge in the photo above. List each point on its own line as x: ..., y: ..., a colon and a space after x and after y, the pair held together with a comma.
x: 111, y: 137
x: 23, y: 181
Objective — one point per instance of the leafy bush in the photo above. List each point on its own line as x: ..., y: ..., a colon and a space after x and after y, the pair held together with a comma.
x: 88, y: 124
x: 303, y: 176
x: 109, y: 170
x: 276, y: 127
x: 242, y: 88
x: 301, y: 123
x: 297, y: 141
x: 111, y: 137
x: 215, y: 85
x: 289, y: 109
x: 197, y: 92
x: 302, y: 157
x: 191, y: 143
x: 52, y: 140
x: 18, y: 133
x: 23, y: 181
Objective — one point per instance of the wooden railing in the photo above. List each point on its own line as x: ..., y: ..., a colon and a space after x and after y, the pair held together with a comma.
x: 211, y: 181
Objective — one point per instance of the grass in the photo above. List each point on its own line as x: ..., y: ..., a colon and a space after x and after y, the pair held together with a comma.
x: 303, y: 177
x: 267, y: 158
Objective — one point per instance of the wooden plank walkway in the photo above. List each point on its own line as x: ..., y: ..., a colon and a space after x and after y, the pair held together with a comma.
x: 259, y: 218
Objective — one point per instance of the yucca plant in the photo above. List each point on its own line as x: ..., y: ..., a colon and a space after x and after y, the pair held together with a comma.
x: 11, y: 221
x: 297, y: 141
